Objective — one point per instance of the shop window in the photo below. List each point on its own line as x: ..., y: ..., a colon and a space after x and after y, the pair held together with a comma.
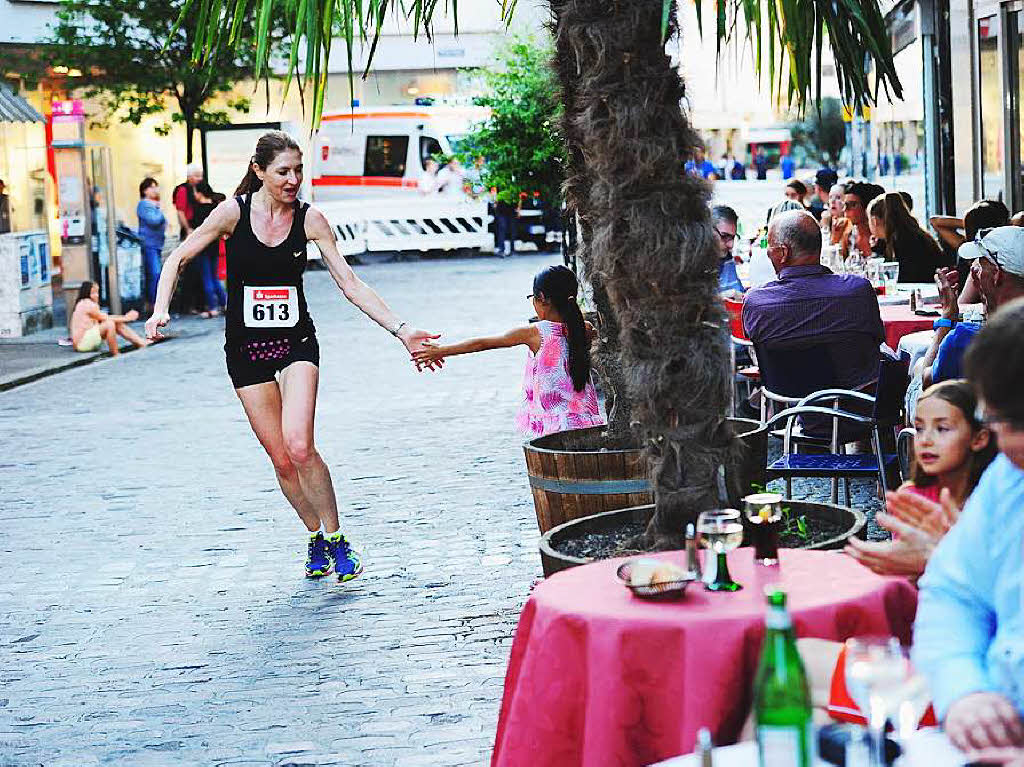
x: 385, y: 156
x: 991, y: 108
x: 430, y: 148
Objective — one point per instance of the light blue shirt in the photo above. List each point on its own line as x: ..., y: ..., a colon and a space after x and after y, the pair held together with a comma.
x: 969, y: 633
x: 728, y: 279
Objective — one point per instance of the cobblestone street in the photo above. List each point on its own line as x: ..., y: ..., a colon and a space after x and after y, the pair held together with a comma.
x: 154, y: 606
x: 155, y: 610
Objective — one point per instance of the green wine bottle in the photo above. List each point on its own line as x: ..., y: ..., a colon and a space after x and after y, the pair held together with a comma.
x: 782, y: 699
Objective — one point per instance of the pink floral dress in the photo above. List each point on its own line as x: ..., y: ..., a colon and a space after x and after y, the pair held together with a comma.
x: 550, y: 403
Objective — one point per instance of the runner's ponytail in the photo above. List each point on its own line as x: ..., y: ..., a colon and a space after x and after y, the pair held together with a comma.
x: 270, y: 145
x: 558, y: 285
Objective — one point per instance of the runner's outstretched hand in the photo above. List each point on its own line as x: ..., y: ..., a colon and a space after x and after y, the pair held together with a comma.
x: 153, y: 325
x: 416, y: 340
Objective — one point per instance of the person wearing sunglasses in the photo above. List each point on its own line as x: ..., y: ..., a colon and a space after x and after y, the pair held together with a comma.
x: 968, y: 630
x: 724, y: 220
x: 997, y: 268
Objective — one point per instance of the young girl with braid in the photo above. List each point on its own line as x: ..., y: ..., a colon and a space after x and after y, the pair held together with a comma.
x: 558, y: 394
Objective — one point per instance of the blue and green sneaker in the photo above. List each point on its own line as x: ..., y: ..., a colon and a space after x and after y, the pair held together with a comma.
x: 318, y: 556
x: 347, y: 563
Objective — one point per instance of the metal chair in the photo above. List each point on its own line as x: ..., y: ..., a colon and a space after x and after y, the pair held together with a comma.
x: 905, y: 450
x: 745, y: 374
x: 886, y: 414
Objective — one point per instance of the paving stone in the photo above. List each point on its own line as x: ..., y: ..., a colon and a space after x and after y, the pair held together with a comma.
x: 178, y: 627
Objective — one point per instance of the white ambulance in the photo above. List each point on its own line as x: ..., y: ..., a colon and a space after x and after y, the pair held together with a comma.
x: 374, y: 152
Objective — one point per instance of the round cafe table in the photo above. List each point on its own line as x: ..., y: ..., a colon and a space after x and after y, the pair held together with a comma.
x: 900, y: 321
x: 599, y: 677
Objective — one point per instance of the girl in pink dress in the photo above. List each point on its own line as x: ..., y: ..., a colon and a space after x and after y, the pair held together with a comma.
x: 558, y: 394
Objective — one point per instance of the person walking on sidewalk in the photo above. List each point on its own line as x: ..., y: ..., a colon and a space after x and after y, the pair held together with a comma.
x: 558, y: 394
x: 91, y: 326
x: 152, y: 226
x: 271, y: 346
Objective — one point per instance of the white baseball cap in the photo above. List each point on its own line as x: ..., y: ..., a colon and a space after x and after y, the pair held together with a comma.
x: 1004, y: 245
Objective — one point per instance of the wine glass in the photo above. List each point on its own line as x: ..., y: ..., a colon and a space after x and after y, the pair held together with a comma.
x: 877, y: 670
x: 764, y: 516
x: 720, y: 531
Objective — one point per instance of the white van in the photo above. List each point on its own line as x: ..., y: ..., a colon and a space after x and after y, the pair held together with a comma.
x: 368, y: 152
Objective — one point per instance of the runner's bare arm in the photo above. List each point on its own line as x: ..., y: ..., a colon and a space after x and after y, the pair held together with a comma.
x: 220, y: 223
x: 360, y: 294
x: 525, y: 336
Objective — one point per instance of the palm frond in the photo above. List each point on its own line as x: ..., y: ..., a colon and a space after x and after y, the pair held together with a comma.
x: 786, y: 36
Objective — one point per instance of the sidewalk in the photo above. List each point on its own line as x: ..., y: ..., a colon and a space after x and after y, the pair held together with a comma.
x: 29, y: 358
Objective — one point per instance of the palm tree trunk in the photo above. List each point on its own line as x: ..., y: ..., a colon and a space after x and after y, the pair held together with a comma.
x: 576, y: 191
x: 649, y: 244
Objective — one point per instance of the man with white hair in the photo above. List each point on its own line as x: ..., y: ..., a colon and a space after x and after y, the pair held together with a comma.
x: 808, y: 305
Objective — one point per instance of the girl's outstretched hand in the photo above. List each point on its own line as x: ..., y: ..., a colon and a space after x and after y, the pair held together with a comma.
x: 428, y: 355
x: 416, y: 341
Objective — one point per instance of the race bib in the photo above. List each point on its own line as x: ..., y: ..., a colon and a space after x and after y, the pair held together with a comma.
x: 271, y: 307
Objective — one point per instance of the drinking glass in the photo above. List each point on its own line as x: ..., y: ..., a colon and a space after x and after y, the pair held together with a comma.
x: 764, y: 513
x: 720, y: 531
x: 877, y: 670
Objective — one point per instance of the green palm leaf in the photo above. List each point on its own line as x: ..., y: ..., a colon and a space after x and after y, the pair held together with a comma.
x: 786, y: 36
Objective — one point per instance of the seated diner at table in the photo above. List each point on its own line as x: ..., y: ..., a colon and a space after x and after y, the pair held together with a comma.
x: 809, y: 305
x: 725, y: 221
x: 857, y: 195
x: 967, y: 634
x: 998, y: 270
x: 903, y: 239
x: 952, y: 449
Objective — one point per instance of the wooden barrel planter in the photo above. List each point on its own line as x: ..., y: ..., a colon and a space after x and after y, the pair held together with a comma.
x: 575, y: 474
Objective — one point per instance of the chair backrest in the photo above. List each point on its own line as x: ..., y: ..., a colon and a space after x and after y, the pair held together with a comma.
x: 735, y: 310
x: 891, y: 390
x: 797, y: 372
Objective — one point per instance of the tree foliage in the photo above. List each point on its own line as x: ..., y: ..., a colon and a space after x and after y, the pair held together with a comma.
x: 520, y: 140
x: 787, y: 37
x: 823, y: 133
x: 135, y: 59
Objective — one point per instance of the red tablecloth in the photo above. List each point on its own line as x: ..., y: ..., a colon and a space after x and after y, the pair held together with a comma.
x: 900, y: 321
x: 598, y: 677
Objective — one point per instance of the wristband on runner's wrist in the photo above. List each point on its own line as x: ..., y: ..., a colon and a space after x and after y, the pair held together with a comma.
x: 398, y: 329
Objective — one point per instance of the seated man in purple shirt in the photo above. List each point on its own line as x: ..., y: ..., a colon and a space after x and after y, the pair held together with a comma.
x: 808, y: 305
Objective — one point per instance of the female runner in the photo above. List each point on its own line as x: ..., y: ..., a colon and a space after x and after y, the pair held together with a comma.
x: 271, y: 347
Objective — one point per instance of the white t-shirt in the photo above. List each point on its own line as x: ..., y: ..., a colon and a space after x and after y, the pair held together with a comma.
x: 427, y: 183
x: 449, y: 181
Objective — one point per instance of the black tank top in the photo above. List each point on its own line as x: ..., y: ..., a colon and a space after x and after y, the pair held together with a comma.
x: 265, y: 295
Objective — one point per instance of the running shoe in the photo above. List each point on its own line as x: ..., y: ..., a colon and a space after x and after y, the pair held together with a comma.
x: 347, y: 563
x: 318, y: 556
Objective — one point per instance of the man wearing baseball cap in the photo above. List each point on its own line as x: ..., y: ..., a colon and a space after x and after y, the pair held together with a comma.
x: 997, y: 266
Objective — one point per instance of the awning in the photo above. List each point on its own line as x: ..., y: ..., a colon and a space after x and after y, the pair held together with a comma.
x: 14, y: 109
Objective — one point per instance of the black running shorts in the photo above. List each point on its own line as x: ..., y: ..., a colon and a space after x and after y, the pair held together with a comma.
x: 256, y: 362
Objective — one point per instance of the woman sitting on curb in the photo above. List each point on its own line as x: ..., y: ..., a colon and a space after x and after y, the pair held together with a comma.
x: 90, y: 326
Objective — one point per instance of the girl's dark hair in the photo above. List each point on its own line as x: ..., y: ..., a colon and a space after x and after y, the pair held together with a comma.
x: 960, y: 395
x: 558, y: 285
x: 270, y: 145
x: 902, y: 229
x: 147, y: 182
x: 84, y: 291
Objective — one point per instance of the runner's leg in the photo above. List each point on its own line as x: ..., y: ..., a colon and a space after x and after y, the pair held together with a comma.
x: 262, y: 403
x: 299, y: 383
